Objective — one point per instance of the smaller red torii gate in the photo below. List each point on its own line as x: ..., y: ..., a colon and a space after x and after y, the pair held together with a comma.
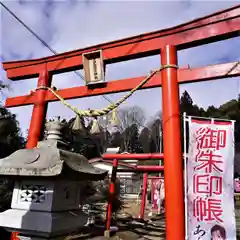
x: 141, y: 168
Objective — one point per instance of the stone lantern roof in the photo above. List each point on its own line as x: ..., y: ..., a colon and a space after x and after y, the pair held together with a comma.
x: 51, y: 158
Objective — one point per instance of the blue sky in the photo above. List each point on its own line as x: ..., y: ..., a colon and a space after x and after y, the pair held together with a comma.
x: 68, y: 25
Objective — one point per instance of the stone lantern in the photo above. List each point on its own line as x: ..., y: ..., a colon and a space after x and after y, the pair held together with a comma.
x: 47, y: 193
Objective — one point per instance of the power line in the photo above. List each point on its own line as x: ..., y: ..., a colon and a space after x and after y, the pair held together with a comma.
x: 42, y: 41
x: 28, y: 28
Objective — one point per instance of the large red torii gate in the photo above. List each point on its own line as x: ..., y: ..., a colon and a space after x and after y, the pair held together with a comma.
x: 218, y: 26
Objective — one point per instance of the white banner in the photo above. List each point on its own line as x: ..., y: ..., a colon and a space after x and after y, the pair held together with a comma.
x: 210, y: 188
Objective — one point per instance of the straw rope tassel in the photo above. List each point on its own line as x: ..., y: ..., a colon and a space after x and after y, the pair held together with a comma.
x: 77, y: 124
x: 95, y: 127
x: 114, y: 118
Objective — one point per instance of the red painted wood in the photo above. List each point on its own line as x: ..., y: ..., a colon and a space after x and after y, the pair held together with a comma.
x: 172, y: 147
x: 131, y: 167
x: 224, y: 24
x: 209, y: 19
x: 111, y: 194
x: 184, y: 76
x: 138, y: 156
x: 39, y: 110
x: 144, y: 195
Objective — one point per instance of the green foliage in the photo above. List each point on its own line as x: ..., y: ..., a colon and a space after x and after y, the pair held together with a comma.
x: 116, y: 140
x: 83, y: 142
x: 145, y: 140
x: 229, y: 110
x: 10, y: 141
x: 10, y: 134
x: 131, y: 139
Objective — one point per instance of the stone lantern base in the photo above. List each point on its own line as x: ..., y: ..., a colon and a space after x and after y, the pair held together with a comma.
x: 44, y: 210
x: 42, y: 225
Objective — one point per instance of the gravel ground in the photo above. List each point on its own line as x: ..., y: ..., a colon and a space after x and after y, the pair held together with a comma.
x: 133, y: 230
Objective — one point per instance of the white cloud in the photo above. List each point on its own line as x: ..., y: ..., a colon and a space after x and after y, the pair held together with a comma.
x: 68, y: 25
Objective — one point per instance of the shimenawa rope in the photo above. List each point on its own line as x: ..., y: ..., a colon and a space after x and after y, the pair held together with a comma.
x: 111, y: 107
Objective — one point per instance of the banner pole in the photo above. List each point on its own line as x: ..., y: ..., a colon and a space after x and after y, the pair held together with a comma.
x: 185, y: 173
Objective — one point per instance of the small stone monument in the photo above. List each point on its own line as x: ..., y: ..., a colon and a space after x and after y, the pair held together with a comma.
x: 47, y: 193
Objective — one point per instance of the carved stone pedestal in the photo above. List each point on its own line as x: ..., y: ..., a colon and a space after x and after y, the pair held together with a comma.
x: 44, y: 210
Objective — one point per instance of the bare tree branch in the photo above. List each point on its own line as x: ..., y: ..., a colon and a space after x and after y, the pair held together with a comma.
x: 129, y: 116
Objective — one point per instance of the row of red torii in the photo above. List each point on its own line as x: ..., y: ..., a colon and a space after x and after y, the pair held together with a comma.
x: 215, y: 27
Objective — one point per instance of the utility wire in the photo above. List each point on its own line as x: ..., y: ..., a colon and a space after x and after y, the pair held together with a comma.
x: 42, y: 41
x: 28, y: 28
x: 45, y: 44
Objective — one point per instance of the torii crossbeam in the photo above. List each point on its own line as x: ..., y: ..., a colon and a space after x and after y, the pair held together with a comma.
x: 218, y: 26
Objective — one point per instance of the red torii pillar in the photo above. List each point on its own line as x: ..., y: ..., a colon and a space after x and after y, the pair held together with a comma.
x: 39, y: 109
x: 173, y: 169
